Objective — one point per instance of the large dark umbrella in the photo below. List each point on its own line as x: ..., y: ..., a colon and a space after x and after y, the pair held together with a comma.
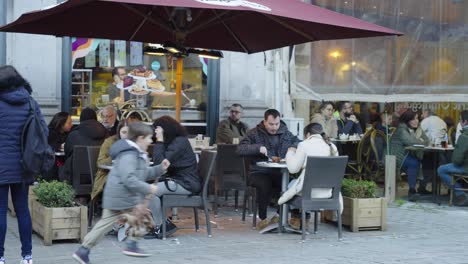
x: 234, y: 25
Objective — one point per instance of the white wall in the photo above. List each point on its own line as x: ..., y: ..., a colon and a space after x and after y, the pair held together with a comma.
x: 36, y: 57
x: 257, y: 81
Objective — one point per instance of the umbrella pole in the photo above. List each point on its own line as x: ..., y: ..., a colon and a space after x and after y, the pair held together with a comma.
x: 180, y: 65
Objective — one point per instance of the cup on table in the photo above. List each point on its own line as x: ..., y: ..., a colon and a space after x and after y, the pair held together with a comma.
x: 275, y: 159
x: 444, y: 144
x: 235, y: 141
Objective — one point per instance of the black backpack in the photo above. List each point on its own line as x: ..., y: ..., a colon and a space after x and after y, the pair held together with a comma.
x: 37, y: 155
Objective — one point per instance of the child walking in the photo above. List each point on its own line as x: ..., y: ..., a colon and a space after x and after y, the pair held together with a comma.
x: 126, y: 188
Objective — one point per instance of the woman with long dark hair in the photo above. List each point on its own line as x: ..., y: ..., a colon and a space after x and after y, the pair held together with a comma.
x: 181, y: 178
x: 15, y: 94
x: 409, y: 133
x: 59, y: 127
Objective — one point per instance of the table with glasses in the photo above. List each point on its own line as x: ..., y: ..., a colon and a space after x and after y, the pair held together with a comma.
x: 435, y: 179
x: 284, y: 186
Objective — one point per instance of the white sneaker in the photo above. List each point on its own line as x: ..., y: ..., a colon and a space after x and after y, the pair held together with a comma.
x: 26, y: 260
x: 2, y: 260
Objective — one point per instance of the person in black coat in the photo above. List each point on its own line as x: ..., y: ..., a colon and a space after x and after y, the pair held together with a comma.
x: 182, y: 177
x: 88, y: 133
x: 59, y: 127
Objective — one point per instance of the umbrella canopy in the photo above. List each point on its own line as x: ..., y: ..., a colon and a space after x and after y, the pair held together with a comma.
x: 233, y: 25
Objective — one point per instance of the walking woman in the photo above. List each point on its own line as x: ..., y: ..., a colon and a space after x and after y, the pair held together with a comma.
x: 15, y: 92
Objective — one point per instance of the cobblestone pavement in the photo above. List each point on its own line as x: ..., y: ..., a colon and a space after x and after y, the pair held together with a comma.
x: 416, y: 233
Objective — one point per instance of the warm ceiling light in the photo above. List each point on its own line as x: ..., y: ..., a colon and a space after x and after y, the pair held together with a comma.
x: 335, y: 54
x: 209, y: 54
x: 173, y: 48
x: 155, y: 51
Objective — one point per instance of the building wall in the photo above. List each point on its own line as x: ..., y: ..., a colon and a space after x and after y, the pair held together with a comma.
x: 257, y: 81
x: 36, y: 57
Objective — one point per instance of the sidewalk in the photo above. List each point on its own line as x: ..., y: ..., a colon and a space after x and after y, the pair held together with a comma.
x: 416, y: 233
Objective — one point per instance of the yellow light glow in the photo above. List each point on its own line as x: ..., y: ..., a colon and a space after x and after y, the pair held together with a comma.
x: 335, y: 54
x: 345, y: 67
x: 353, y: 63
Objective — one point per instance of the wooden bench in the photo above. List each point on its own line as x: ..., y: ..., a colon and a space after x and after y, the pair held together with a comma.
x: 457, y: 178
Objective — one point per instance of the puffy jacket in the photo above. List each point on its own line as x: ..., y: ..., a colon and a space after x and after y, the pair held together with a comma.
x: 183, y: 169
x: 14, y: 111
x: 126, y: 183
x: 88, y: 133
x: 258, y: 136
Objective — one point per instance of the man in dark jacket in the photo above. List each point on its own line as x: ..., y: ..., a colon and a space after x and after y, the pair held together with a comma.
x: 231, y: 129
x: 347, y: 120
x: 88, y: 133
x: 459, y: 162
x: 271, y: 138
x: 14, y: 110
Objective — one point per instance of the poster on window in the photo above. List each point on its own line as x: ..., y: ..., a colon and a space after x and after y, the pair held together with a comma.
x: 120, y: 54
x: 104, y: 53
x: 136, y: 53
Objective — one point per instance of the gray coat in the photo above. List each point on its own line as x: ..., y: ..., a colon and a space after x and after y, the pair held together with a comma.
x: 126, y: 183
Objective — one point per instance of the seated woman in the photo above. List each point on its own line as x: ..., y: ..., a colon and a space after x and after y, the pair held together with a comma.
x: 326, y: 119
x: 409, y: 133
x: 181, y: 178
x: 105, y: 158
x: 59, y: 127
x: 316, y: 143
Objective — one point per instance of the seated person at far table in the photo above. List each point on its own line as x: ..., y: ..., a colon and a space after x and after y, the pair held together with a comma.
x: 409, y: 133
x: 316, y: 143
x: 232, y: 127
x: 269, y: 138
x: 347, y: 121
x: 459, y: 162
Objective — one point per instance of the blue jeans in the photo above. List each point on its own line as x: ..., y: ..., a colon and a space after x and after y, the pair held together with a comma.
x: 411, y: 165
x: 19, y: 197
x: 444, y: 172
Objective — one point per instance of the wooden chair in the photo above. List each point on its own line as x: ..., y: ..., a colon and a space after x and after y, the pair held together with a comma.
x: 250, y: 193
x: 363, y: 152
x: 460, y: 179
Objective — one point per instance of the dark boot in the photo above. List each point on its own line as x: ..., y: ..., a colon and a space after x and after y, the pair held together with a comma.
x: 413, y: 196
x: 423, y: 191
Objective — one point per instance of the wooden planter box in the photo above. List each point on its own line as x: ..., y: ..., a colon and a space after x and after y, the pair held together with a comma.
x: 59, y: 223
x: 362, y: 214
x: 31, y: 197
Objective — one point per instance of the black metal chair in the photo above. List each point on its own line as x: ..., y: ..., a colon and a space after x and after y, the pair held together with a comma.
x: 321, y: 172
x: 228, y: 174
x: 205, y: 167
x: 82, y: 177
x: 93, y: 154
x: 250, y: 192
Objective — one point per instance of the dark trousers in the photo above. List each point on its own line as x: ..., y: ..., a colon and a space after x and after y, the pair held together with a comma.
x: 19, y: 197
x: 266, y: 185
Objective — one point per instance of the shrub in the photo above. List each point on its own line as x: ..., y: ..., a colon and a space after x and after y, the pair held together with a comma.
x: 358, y: 189
x: 55, y: 194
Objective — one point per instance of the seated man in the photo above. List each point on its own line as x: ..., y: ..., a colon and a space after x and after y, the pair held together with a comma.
x: 109, y: 120
x: 459, y: 161
x: 347, y: 121
x: 270, y: 138
x: 232, y: 127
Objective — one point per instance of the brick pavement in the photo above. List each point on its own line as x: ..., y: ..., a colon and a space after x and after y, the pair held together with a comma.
x: 417, y: 233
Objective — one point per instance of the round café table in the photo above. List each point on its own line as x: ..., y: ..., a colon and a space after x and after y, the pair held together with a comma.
x: 284, y: 186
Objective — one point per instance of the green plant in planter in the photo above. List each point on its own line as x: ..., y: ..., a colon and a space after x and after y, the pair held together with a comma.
x: 358, y: 189
x: 55, y: 194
